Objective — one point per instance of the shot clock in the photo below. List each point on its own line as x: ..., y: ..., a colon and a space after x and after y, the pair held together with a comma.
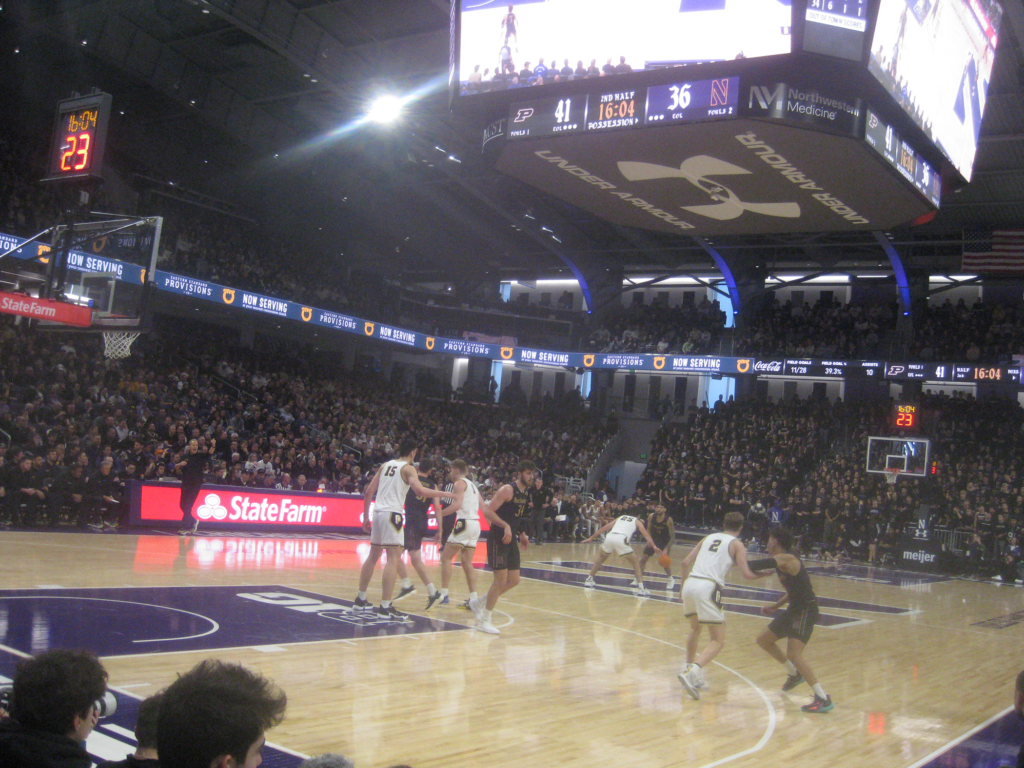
x: 904, y: 416
x: 79, y: 137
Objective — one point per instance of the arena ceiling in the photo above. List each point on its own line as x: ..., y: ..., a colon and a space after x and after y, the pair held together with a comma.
x: 254, y: 102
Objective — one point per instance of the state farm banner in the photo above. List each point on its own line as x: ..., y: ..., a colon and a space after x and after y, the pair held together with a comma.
x: 228, y: 508
x: 45, y: 309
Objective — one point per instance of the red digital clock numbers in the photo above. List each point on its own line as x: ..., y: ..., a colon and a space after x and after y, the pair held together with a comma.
x: 79, y: 137
x: 905, y: 416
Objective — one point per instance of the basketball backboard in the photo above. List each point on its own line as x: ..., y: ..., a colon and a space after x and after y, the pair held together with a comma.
x: 912, y: 456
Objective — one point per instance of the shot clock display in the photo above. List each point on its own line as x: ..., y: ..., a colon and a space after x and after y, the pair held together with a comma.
x: 79, y: 137
x: 905, y: 416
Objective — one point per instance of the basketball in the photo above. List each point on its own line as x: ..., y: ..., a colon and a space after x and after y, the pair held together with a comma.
x: 665, y: 560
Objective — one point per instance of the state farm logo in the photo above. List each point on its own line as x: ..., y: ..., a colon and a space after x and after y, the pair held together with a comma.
x: 697, y: 170
x: 211, y: 508
x: 768, y: 366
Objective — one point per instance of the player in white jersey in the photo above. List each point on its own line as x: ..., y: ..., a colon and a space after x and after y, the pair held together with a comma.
x: 620, y: 532
x: 390, y: 485
x: 464, y: 536
x: 704, y: 572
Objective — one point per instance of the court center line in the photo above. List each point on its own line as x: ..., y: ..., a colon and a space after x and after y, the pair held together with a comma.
x: 949, y: 745
x: 772, y: 716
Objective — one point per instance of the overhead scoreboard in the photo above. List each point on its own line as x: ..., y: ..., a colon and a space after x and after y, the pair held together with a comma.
x: 616, y: 108
x: 79, y: 137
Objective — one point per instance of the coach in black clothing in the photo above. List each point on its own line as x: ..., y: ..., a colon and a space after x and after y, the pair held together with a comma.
x: 191, y: 470
x: 53, y: 712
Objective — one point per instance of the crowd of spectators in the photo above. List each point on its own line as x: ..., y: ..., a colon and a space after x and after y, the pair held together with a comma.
x: 659, y: 328
x: 802, y: 463
x: 78, y: 431
x: 984, y: 332
x: 507, y: 76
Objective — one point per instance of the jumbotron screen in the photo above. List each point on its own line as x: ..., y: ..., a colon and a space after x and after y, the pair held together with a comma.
x: 935, y: 57
x: 538, y: 42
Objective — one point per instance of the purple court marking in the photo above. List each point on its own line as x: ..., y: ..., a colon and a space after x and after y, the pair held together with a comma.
x: 112, y: 740
x: 124, y: 621
x: 745, y: 592
x: 621, y: 586
x: 991, y: 746
x: 1001, y: 622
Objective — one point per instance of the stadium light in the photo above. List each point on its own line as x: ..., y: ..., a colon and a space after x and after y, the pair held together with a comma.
x: 386, y: 109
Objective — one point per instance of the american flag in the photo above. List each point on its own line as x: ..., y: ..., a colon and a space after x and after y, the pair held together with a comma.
x: 1002, y: 252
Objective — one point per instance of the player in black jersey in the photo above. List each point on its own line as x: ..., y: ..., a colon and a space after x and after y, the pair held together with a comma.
x: 662, y: 530
x: 417, y: 511
x: 508, y: 512
x: 795, y: 623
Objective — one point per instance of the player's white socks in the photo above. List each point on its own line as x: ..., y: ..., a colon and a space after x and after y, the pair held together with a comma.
x: 444, y: 591
x: 385, y: 604
x: 431, y: 589
x: 485, y: 614
x: 473, y: 596
x: 819, y: 691
x: 406, y: 583
x: 790, y: 668
x: 362, y: 595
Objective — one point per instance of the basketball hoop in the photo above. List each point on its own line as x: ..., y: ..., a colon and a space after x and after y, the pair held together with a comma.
x: 891, y: 474
x: 117, y: 345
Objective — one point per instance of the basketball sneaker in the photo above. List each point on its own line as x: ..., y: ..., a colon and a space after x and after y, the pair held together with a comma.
x: 361, y: 605
x: 464, y: 605
x: 670, y: 584
x: 404, y: 592
x: 819, y: 705
x: 444, y: 600
x: 633, y: 583
x: 488, y: 627
x: 432, y: 599
x: 690, y: 682
x: 792, y: 681
x: 391, y: 614
x: 642, y: 592
x: 475, y: 606
x: 589, y: 582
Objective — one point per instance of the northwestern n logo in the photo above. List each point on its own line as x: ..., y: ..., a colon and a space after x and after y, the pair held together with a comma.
x: 229, y: 295
x: 696, y: 170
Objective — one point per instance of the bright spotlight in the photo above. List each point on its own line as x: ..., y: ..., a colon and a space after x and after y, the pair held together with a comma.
x: 386, y: 109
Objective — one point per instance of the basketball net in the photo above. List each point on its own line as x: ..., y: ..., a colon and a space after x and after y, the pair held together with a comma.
x: 891, y: 475
x: 117, y: 345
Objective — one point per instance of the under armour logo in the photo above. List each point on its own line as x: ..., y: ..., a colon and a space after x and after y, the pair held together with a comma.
x: 696, y: 170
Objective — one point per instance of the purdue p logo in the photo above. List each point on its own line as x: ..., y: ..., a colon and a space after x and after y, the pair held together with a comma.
x: 588, y: 360
x: 307, y: 314
x: 368, y: 329
x: 742, y: 365
x: 659, y: 362
x: 506, y: 353
x: 430, y: 342
x: 229, y: 295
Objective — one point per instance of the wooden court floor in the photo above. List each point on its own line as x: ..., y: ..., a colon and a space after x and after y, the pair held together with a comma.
x: 576, y: 678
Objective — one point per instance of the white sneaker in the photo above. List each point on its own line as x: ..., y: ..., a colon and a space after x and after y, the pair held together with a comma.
x: 633, y: 583
x: 476, y: 607
x: 689, y: 683
x: 641, y: 592
x: 589, y: 582
x: 702, y: 684
x: 488, y: 627
x: 671, y: 584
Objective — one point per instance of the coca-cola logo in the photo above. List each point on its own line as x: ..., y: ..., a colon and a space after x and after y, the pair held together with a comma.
x: 768, y: 366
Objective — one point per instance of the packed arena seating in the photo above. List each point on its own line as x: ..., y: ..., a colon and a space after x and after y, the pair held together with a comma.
x: 658, y: 328
x: 802, y: 463
x: 288, y: 420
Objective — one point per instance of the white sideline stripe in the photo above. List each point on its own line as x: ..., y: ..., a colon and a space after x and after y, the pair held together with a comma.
x: 949, y: 745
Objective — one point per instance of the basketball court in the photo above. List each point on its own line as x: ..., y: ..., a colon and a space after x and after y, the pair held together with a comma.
x: 578, y: 677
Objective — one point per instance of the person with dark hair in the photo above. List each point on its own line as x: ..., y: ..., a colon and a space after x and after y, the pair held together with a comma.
x: 191, y: 470
x: 390, y: 485
x: 54, y: 709
x: 795, y: 623
x: 508, y: 511
x: 703, y: 576
x: 465, y: 510
x: 215, y: 716
x: 417, y: 510
x: 145, y: 755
